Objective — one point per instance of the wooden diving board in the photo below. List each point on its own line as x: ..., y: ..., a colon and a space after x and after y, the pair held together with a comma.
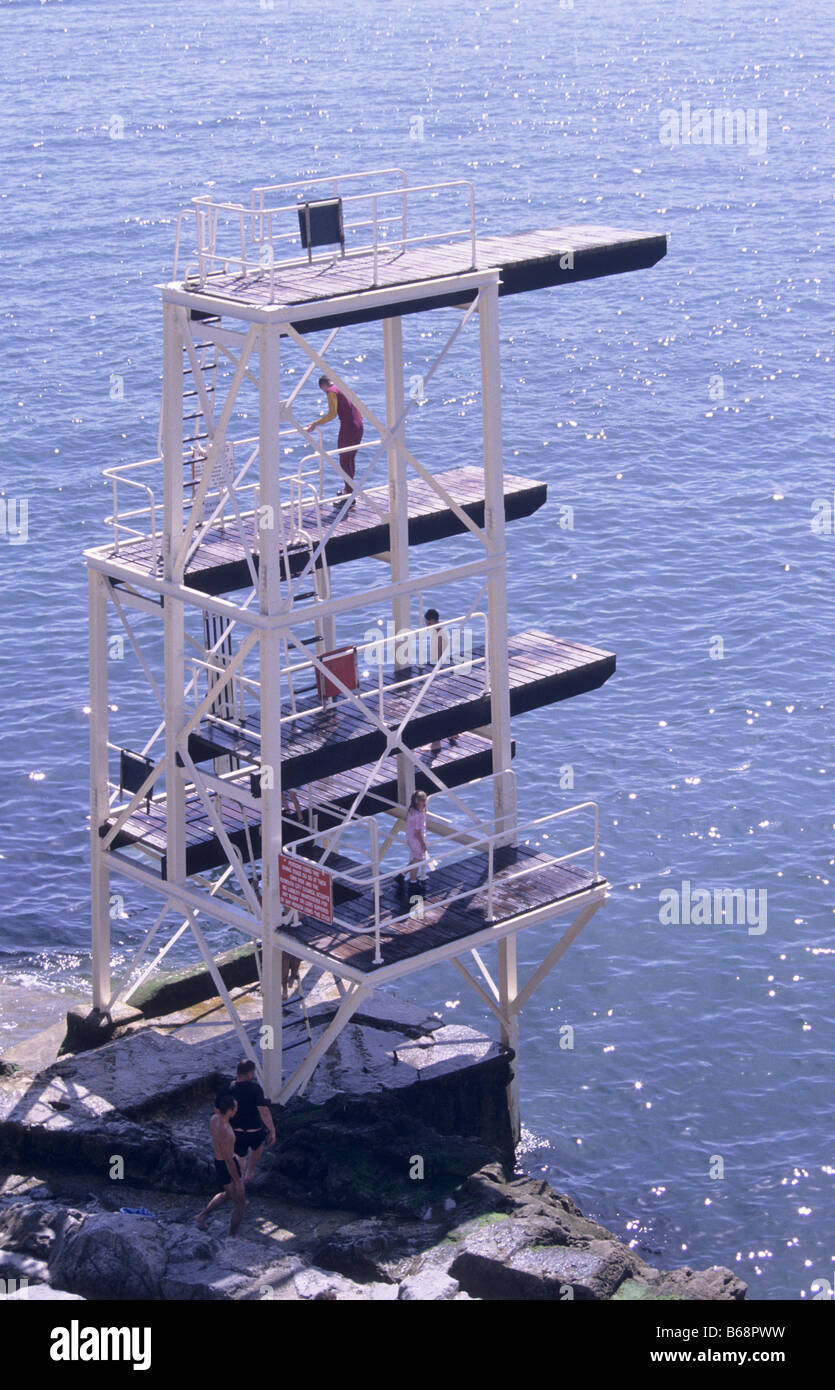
x: 526, y: 260
x: 524, y: 880
x: 322, y: 741
x: 219, y: 566
x: 469, y: 758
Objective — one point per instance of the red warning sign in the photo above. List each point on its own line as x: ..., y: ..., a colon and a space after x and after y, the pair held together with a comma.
x: 305, y: 888
x: 342, y: 663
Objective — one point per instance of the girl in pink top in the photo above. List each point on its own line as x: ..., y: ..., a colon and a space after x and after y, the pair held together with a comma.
x: 415, y: 838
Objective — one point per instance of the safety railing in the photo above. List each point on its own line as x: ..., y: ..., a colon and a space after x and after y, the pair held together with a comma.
x: 314, y: 480
x: 257, y: 242
x: 123, y: 520
x: 331, y: 457
x: 120, y: 519
x: 429, y: 653
x: 229, y: 492
x: 371, y: 879
x: 332, y: 187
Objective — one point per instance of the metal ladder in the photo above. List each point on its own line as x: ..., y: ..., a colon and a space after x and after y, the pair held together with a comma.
x: 195, y: 433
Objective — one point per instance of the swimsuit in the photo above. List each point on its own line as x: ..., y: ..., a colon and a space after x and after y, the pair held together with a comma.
x: 222, y: 1172
x: 246, y: 1139
x: 350, y: 430
x: 249, y: 1131
x: 415, y: 825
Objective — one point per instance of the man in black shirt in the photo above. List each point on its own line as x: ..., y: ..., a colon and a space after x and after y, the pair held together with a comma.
x: 252, y: 1121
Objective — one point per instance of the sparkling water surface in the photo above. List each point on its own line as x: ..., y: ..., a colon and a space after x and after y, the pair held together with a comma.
x: 679, y: 411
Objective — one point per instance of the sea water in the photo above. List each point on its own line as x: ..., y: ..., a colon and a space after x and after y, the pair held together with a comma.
x: 675, y: 1074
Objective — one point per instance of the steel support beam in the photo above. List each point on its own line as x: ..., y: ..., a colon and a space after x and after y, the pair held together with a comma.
x: 555, y: 954
x: 99, y: 807
x: 504, y: 794
x: 272, y: 603
x: 398, y: 553
x: 350, y: 1003
x: 509, y: 1028
x: 96, y: 559
x: 174, y: 612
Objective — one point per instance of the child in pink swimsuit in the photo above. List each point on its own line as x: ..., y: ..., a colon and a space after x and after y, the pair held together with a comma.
x: 416, y: 840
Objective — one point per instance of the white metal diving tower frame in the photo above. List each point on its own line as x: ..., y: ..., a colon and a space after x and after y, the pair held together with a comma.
x: 242, y: 479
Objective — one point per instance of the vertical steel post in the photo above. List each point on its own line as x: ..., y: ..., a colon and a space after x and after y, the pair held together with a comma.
x: 325, y: 627
x: 100, y: 877
x: 509, y: 1032
x: 273, y: 604
x: 504, y: 797
x: 173, y: 609
x: 398, y: 514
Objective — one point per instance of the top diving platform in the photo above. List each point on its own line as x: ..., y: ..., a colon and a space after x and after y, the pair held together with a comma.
x: 526, y: 261
x: 323, y: 253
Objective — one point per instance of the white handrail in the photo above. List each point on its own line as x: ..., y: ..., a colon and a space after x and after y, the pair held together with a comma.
x: 438, y: 669
x: 465, y: 665
x: 263, y: 234
x: 335, y: 180
x: 490, y: 843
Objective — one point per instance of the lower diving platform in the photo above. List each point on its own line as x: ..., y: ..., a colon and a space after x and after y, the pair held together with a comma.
x: 467, y: 905
x: 219, y: 563
x: 470, y: 757
x: 322, y: 740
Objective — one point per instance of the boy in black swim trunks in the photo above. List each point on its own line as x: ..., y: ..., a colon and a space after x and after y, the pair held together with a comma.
x: 227, y: 1170
x: 253, y: 1121
x: 438, y: 650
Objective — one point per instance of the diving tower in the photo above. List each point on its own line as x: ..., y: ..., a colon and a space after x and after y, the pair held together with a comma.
x: 287, y: 722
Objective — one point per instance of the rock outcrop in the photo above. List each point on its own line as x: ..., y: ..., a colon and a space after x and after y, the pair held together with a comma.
x: 494, y: 1239
x: 392, y: 1178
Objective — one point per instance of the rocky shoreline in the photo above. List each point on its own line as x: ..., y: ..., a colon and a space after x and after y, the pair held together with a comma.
x: 393, y: 1177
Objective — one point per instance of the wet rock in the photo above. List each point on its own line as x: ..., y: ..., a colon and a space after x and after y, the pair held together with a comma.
x: 199, y: 1265
x: 168, y: 992
x: 365, y: 1157
x: 111, y: 1256
x: 318, y: 1284
x: 491, y: 1190
x: 470, y: 1251
x: 41, y: 1293
x: 541, y: 1272
x: 716, y: 1284
x: 535, y: 1244
x: 404, y: 1126
x: 377, y: 1249
x: 34, y: 1228
x: 87, y: 1030
x: 430, y: 1286
x: 149, y: 1154
x: 275, y: 1280
x: 17, y: 1267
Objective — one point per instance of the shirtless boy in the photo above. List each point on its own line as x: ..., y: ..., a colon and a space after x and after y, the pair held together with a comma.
x: 227, y: 1171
